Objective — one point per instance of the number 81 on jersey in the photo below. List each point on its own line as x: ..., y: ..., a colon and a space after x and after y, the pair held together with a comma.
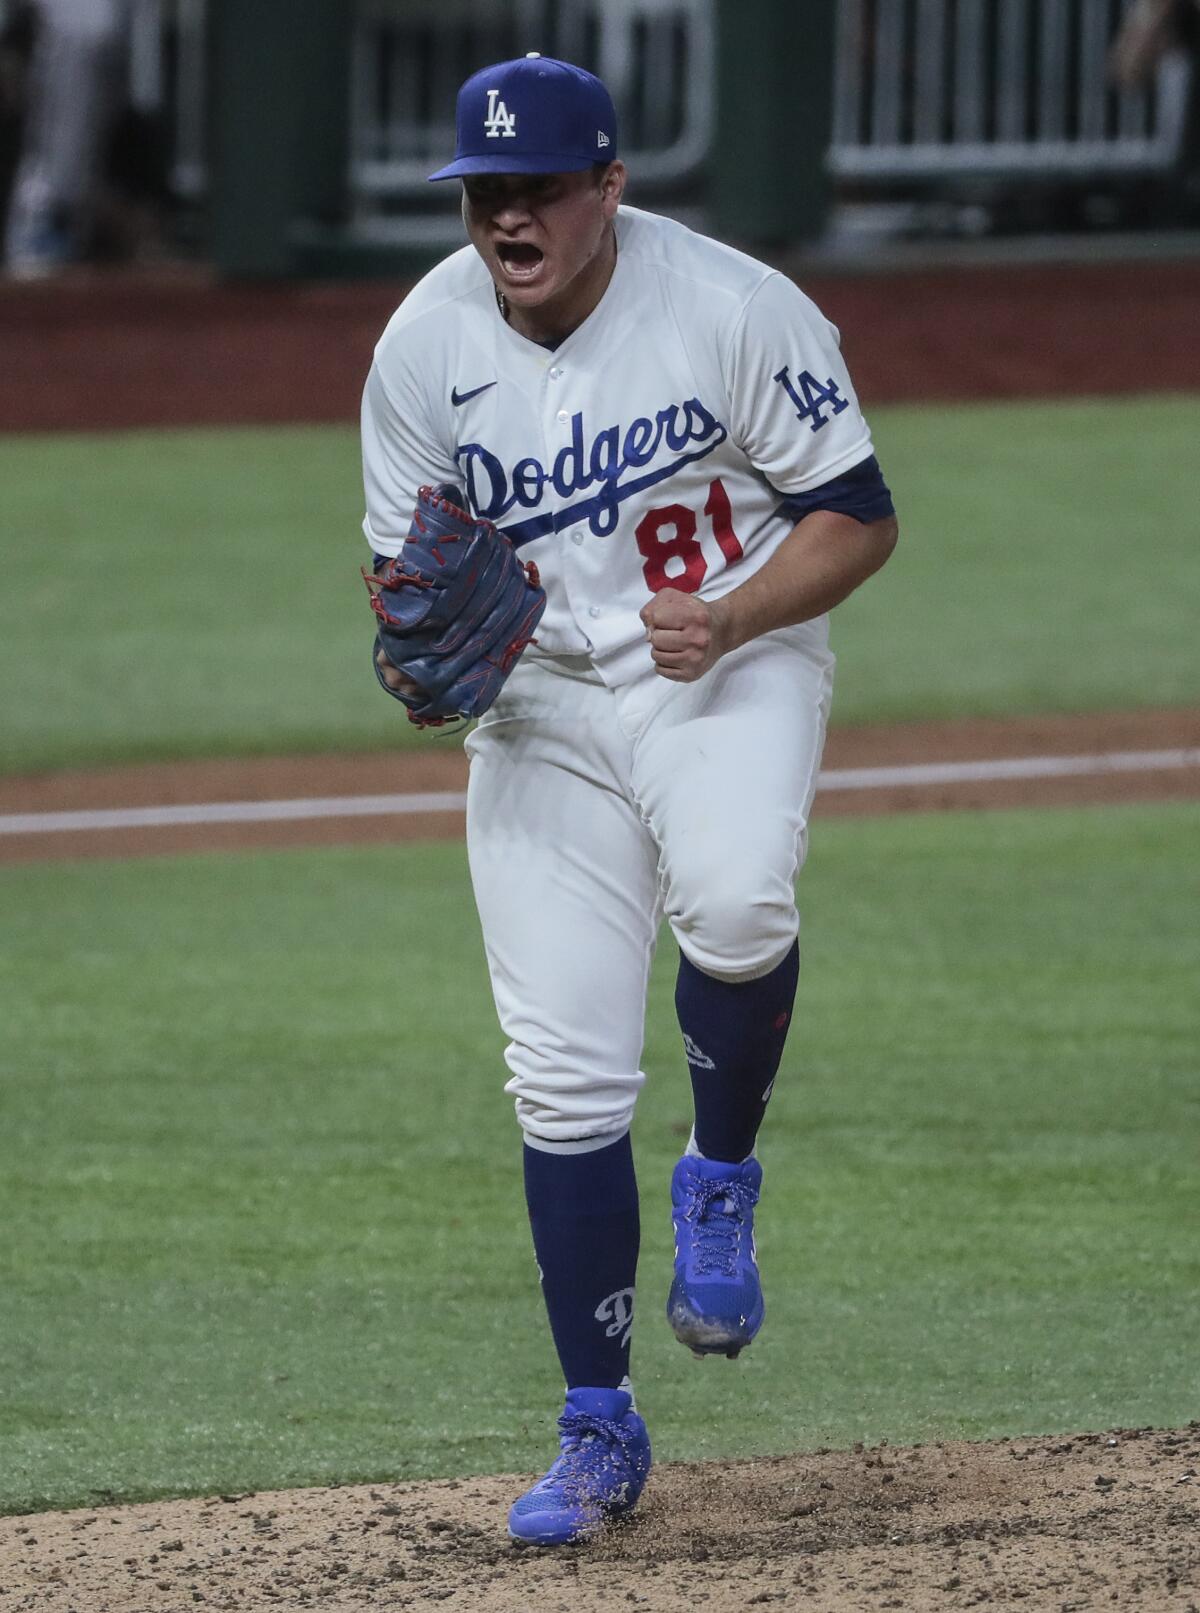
x: 682, y: 545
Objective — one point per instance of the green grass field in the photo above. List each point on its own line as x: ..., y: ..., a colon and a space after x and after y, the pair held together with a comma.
x: 196, y: 593
x: 261, y: 1191
x: 246, y: 1246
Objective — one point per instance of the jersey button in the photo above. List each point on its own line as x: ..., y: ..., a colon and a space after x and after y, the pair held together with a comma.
x: 563, y: 416
x: 554, y: 374
x: 593, y: 610
x: 577, y: 536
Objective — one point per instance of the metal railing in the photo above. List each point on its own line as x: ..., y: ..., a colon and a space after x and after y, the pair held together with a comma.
x: 166, y: 75
x: 408, y: 59
x: 925, y: 89
x: 930, y: 89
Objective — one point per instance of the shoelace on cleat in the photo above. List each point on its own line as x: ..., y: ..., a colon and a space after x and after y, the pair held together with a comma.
x: 718, y: 1210
x: 575, y: 1468
x: 578, y: 1427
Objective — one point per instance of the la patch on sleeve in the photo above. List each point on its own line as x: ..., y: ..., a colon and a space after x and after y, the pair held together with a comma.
x: 812, y: 397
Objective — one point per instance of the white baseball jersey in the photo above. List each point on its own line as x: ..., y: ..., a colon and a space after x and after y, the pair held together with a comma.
x: 652, y: 448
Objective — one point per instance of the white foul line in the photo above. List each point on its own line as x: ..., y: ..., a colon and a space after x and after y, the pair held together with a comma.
x: 376, y: 806
x: 163, y: 817
x: 1014, y: 767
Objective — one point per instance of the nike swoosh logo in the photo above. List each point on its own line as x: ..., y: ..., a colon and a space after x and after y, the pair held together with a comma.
x: 458, y: 398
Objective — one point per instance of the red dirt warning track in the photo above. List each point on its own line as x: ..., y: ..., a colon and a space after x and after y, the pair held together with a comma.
x: 97, y: 351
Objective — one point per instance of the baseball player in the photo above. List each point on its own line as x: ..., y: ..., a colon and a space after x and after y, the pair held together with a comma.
x: 75, y: 78
x: 666, y: 428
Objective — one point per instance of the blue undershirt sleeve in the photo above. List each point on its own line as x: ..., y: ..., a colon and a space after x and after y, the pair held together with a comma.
x: 860, y: 492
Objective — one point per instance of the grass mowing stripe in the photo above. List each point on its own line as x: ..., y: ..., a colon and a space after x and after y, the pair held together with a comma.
x: 225, y: 614
x: 262, y: 1199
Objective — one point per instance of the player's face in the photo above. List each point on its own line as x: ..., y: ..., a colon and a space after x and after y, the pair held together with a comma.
x: 546, y: 239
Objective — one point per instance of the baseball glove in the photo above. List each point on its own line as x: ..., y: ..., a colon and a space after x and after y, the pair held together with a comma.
x: 455, y: 610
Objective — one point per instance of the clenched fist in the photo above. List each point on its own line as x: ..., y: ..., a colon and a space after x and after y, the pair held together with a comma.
x: 687, y: 636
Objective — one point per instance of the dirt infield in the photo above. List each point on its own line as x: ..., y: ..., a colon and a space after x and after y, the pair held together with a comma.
x: 1085, y: 1522
x: 442, y: 768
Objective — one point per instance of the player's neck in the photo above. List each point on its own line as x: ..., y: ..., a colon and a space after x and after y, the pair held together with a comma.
x: 552, y: 321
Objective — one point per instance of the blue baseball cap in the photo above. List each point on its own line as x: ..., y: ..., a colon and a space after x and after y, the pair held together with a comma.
x: 535, y: 115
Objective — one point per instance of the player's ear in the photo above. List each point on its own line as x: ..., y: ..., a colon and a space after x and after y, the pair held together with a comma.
x: 612, y: 186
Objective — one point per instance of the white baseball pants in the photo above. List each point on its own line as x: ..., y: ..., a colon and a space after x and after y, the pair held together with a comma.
x: 593, y: 812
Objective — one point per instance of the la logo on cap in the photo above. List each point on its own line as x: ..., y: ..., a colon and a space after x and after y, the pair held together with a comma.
x: 500, y: 123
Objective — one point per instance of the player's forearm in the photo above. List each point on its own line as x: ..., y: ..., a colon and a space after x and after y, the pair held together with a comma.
x: 820, y: 563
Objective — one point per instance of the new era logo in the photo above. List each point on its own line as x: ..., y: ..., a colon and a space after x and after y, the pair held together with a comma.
x: 500, y: 123
x: 602, y: 140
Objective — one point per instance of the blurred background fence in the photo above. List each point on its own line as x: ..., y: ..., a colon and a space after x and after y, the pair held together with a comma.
x: 657, y: 57
x: 938, y: 88
x: 757, y: 117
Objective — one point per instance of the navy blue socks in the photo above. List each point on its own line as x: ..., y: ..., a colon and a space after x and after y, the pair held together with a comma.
x: 583, y: 1209
x: 733, y: 1034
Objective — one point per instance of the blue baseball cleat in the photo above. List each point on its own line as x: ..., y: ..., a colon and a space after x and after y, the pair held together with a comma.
x: 599, y: 1474
x: 715, y: 1306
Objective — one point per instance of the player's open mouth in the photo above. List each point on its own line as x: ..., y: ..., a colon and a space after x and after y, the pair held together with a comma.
x: 520, y: 260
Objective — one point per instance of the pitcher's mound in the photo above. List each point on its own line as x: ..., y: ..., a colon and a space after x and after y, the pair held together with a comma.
x: 1078, y: 1522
